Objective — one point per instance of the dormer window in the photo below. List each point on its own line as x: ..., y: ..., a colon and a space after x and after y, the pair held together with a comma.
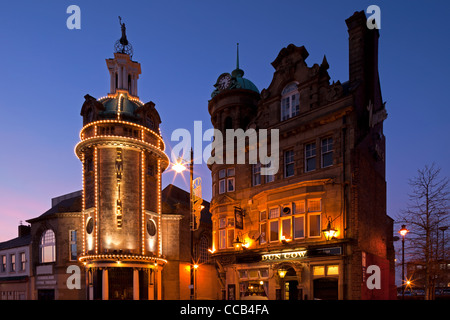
x: 290, y: 101
x: 149, y: 122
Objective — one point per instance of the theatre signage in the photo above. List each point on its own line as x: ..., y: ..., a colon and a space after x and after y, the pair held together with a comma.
x: 293, y: 255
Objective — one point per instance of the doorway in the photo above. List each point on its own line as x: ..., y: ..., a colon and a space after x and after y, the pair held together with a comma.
x: 291, y: 291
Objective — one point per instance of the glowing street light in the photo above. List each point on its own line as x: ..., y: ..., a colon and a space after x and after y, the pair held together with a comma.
x: 403, y: 232
x: 178, y: 167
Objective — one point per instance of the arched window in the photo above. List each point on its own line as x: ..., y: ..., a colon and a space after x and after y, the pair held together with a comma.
x: 203, y: 253
x: 47, y: 247
x: 149, y: 122
x: 290, y: 101
x: 129, y: 84
x: 228, y: 123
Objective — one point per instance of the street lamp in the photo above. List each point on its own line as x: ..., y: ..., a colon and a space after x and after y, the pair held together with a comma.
x: 329, y: 232
x: 179, y: 167
x: 403, y: 232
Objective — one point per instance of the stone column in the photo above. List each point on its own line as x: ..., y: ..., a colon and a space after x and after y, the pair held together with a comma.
x: 135, y: 284
x: 112, y: 81
x: 124, y: 78
x: 120, y: 73
x: 105, y: 286
x: 151, y: 286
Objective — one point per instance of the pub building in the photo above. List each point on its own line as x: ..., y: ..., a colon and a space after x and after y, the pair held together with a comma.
x: 311, y: 228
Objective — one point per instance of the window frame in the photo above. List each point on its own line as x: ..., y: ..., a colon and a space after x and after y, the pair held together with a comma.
x: 327, y: 151
x: 263, y: 225
x: 3, y: 263
x: 256, y: 174
x: 23, y: 261
x: 225, y: 176
x: 43, y: 245
x: 319, y: 215
x: 233, y: 184
x: 282, y: 229
x: 12, y: 262
x: 286, y: 163
x: 310, y: 157
x: 222, y: 186
x: 73, y: 245
x: 226, y: 227
x: 289, y: 102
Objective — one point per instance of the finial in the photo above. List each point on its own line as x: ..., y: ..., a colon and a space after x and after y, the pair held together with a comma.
x: 122, y: 45
x: 237, y: 72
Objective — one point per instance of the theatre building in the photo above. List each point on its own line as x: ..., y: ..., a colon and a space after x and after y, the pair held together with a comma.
x: 310, y: 229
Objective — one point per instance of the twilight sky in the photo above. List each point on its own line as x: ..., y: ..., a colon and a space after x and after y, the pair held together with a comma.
x: 183, y: 46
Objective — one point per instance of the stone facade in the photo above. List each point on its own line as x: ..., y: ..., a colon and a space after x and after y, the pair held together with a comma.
x: 331, y: 175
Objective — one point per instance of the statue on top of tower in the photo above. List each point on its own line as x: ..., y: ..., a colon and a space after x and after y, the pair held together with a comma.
x: 122, y: 45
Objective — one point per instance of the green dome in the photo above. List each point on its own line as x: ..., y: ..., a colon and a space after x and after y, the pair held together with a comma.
x: 127, y: 108
x: 243, y: 83
x: 237, y: 82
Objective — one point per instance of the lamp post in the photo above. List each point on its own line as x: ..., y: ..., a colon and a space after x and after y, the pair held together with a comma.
x: 179, y: 167
x: 403, y: 231
x: 329, y: 232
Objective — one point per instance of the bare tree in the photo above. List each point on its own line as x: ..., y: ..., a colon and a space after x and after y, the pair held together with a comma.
x: 426, y: 211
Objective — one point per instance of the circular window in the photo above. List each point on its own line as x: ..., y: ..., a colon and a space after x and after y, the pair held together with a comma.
x: 89, y: 225
x: 151, y: 227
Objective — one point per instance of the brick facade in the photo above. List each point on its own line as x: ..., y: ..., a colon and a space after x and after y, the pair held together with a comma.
x: 338, y: 129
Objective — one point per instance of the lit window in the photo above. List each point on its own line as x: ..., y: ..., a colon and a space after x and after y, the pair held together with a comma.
x: 327, y: 152
x: 288, y: 163
x: 319, y: 270
x: 263, y: 227
x: 314, y: 225
x: 274, y: 231
x: 286, y: 229
x: 290, y: 102
x: 47, y: 247
x: 226, y: 233
x: 314, y: 205
x: 23, y: 261
x: 222, y: 239
x: 310, y: 157
x: 274, y: 213
x: 299, y: 227
x: 13, y: 262
x: 332, y: 270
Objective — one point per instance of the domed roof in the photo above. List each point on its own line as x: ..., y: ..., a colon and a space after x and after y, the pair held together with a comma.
x: 233, y: 81
x: 120, y: 104
x: 237, y: 81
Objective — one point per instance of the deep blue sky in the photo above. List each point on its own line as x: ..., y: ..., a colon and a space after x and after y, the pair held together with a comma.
x: 183, y: 46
